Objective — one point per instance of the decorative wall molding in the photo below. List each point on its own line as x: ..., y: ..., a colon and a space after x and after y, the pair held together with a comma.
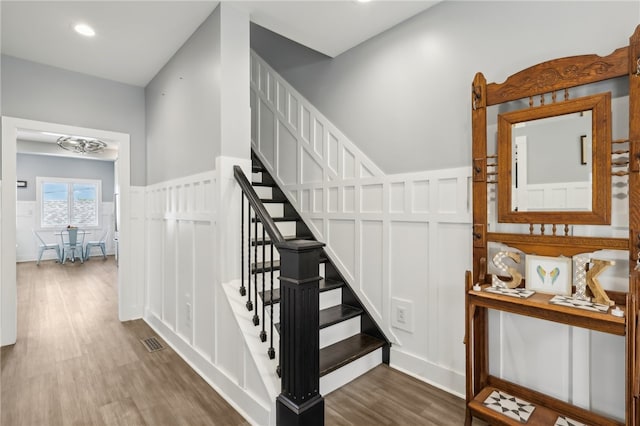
x: 180, y: 227
x: 185, y: 301
x: 393, y: 237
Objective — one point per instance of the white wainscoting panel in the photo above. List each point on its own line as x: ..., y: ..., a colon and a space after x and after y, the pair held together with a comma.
x: 180, y: 226
x: 404, y: 237
x: 185, y: 302
x: 137, y: 268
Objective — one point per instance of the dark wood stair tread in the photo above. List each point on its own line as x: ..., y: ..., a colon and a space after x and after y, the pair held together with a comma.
x: 268, y: 266
x: 325, y: 284
x: 260, y: 241
x: 266, y: 184
x: 279, y: 219
x: 256, y: 168
x: 345, y: 351
x: 334, y: 315
x: 278, y: 199
x: 265, y: 266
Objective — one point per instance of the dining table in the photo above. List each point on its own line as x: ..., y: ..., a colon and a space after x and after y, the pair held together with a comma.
x: 77, y: 246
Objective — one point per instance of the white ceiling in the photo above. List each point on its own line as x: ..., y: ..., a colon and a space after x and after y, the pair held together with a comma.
x: 136, y: 38
x: 332, y: 27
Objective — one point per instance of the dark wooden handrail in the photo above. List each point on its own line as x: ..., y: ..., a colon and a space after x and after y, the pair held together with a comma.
x: 258, y: 207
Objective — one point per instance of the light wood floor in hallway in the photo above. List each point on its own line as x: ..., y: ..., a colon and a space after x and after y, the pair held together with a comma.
x: 76, y: 364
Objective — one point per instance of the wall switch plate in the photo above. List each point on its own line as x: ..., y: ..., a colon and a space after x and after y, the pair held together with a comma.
x: 189, y: 313
x: 402, y: 314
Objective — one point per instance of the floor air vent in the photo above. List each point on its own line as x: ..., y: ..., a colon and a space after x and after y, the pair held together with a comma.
x: 152, y: 344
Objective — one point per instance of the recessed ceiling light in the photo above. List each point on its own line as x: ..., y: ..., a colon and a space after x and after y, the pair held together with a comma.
x: 85, y: 30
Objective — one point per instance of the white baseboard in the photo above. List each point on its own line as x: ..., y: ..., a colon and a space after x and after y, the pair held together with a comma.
x: 237, y: 397
x: 437, y: 376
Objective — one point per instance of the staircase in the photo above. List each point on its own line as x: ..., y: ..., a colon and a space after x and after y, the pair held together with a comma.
x: 350, y: 341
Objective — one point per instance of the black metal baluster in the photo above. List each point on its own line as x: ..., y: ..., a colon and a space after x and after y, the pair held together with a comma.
x: 249, y: 303
x: 271, y: 352
x: 263, y: 334
x: 243, y: 289
x: 256, y: 318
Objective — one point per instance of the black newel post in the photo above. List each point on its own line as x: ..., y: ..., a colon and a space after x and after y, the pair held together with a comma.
x: 299, y: 402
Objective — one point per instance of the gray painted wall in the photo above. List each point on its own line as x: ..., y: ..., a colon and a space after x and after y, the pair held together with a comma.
x: 29, y: 166
x: 183, y: 108
x: 44, y: 93
x: 404, y: 96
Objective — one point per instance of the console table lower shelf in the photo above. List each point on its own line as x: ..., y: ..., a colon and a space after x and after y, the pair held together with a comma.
x: 507, y: 404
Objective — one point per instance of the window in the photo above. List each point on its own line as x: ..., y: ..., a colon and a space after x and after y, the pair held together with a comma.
x: 65, y: 202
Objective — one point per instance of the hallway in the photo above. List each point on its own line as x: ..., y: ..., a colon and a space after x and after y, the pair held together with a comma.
x: 75, y: 363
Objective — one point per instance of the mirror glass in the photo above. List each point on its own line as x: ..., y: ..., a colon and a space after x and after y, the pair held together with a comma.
x: 554, y: 162
x: 552, y: 166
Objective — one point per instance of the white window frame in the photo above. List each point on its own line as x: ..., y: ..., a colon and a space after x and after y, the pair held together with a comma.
x: 40, y: 180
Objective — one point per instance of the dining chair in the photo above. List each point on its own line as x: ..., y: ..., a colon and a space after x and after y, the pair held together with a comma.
x: 72, y: 244
x: 97, y: 243
x: 42, y: 246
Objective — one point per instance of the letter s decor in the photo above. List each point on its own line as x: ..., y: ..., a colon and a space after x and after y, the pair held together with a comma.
x: 516, y: 277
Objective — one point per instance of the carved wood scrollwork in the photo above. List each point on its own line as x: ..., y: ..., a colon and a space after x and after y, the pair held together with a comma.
x: 556, y: 75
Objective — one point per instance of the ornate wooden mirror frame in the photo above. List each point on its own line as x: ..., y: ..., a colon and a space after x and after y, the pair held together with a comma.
x: 600, y: 212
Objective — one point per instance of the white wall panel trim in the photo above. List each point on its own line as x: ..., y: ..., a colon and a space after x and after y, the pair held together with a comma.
x: 173, y: 211
x: 339, y: 192
x: 422, y: 369
x: 240, y: 399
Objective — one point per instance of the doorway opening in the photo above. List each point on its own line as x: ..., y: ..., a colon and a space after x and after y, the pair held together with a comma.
x: 129, y: 302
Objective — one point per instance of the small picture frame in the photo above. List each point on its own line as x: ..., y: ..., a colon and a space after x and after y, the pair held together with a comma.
x: 550, y: 275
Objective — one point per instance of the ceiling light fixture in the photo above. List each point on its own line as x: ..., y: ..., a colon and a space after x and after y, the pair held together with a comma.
x: 85, y: 30
x: 52, y: 134
x: 81, y: 145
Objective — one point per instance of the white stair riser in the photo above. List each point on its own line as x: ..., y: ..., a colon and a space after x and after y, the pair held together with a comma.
x: 256, y: 177
x: 286, y: 228
x: 265, y: 192
x: 275, y: 210
x: 276, y: 274
x: 328, y: 298
x: 353, y: 370
x: 340, y: 331
x: 328, y: 336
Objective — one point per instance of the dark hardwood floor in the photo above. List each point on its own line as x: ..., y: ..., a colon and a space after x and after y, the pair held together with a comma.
x: 76, y: 364
x: 385, y: 396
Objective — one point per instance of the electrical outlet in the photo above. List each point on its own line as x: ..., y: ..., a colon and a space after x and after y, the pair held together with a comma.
x: 402, y: 314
